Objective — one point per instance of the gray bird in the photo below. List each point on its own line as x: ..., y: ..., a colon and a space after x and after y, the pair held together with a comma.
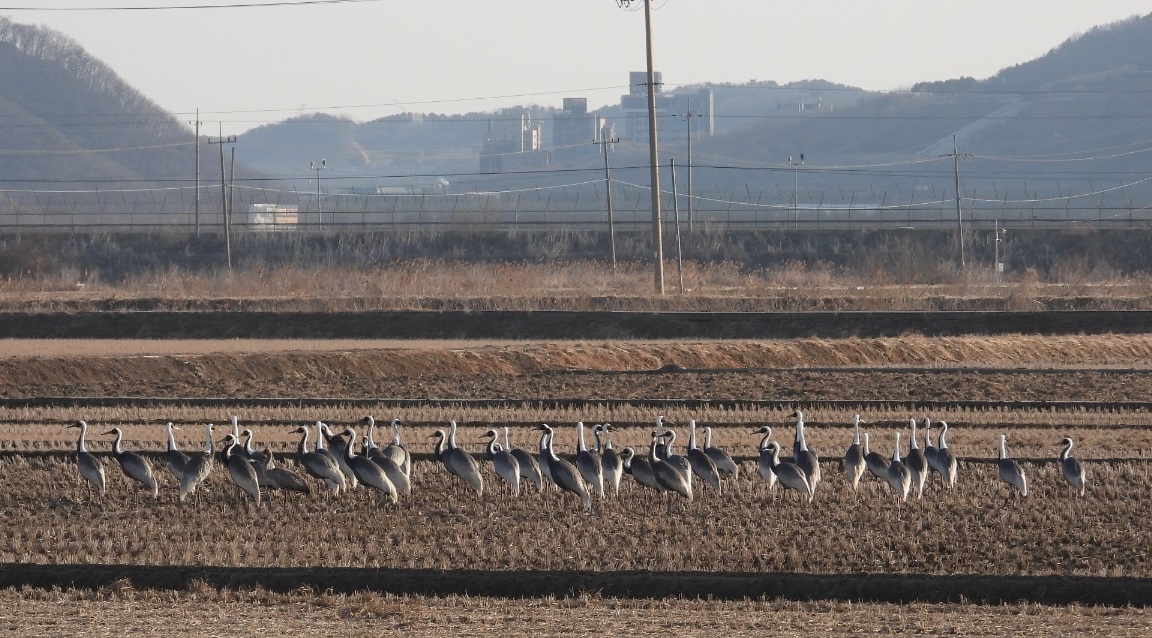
x: 505, y: 465
x: 90, y: 467
x: 724, y: 462
x: 199, y: 466
x: 1071, y: 469
x: 1010, y: 471
x: 854, y: 465
x: 240, y: 469
x: 527, y: 462
x: 319, y: 466
x: 176, y: 459
x: 789, y: 475
x: 133, y: 466
x: 564, y: 474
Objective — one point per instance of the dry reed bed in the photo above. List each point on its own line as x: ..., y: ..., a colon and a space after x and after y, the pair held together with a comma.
x: 979, y: 529
x: 205, y: 611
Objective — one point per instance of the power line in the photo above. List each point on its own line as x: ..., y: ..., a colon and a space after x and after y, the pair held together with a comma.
x: 232, y: 5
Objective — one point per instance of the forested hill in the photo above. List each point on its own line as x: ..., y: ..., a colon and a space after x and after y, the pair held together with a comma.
x: 67, y: 120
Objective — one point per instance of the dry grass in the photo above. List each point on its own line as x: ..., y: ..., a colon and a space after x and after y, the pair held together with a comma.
x: 204, y: 611
x: 576, y: 285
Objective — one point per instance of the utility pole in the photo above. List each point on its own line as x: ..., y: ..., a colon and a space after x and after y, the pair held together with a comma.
x: 604, y: 142
x: 221, y: 141
x: 795, y: 189
x: 196, y: 192
x: 688, y: 117
x: 653, y: 156
x: 319, y: 208
x: 676, y: 224
x: 955, y: 155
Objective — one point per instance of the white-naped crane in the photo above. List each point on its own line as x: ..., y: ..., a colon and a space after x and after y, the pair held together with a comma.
x: 368, y: 472
x: 387, y: 462
x: 661, y: 428
x: 563, y: 474
x: 611, y: 463
x: 90, y: 468
x: 175, y: 459
x: 337, y: 445
x: 854, y: 465
x: 788, y: 474
x: 394, y: 450
x: 764, y: 459
x: 588, y: 462
x: 457, y: 461
x: 276, y: 478
x: 1071, y: 468
x: 680, y: 463
x: 135, y: 467
x: 248, y: 450
x: 898, y: 475
x: 640, y: 469
x: 671, y: 477
x: 916, y: 462
x: 723, y: 460
x: 876, y: 462
x: 1010, y: 471
x: 702, y: 465
x: 322, y: 467
x: 804, y: 457
x: 505, y: 465
x: 948, y: 465
x: 240, y: 469
x: 199, y: 466
x: 527, y: 462
x: 930, y: 451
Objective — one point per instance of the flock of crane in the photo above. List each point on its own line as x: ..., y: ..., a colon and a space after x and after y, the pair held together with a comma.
x: 336, y: 465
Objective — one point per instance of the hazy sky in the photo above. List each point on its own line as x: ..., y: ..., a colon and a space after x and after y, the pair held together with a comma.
x: 246, y: 65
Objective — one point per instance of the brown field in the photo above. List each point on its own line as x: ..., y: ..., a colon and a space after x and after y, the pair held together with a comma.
x: 202, y: 610
x: 978, y: 531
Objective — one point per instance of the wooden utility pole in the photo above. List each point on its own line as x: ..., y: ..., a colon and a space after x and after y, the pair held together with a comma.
x: 959, y: 215
x: 653, y: 156
x: 608, y: 190
x: 196, y: 192
x: 221, y: 141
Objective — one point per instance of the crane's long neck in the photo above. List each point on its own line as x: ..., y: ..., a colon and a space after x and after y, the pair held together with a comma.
x: 235, y: 428
x: 708, y: 437
x: 493, y: 447
x: 116, y: 449
x: 943, y: 433
x: 912, y: 439
x: 80, y: 447
x: 248, y: 442
x: 596, y: 439
x: 654, y: 453
x: 856, y: 432
x: 1067, y: 450
x: 319, y: 435
x: 507, y: 446
x: 896, y: 450
x: 551, y: 452
x: 350, y: 449
x: 692, y: 434
x: 395, y: 431
x: 764, y: 440
x: 371, y: 441
x: 302, y: 448
x: 774, y: 450
x: 580, y: 447
x: 866, y: 450
x: 171, y: 438
x: 208, y: 447
x: 452, y: 435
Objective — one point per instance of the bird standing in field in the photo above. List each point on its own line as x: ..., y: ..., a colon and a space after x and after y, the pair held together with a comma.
x: 789, y: 475
x: 945, y: 458
x: 669, y: 476
x: 176, y: 459
x: 931, y: 454
x: 640, y: 469
x: 1010, y: 471
x: 764, y: 462
x: 898, y: 475
x: 876, y: 462
x: 724, y: 462
x: 1072, y: 469
x: 320, y: 466
x: 505, y: 465
x: 527, y: 462
x: 702, y: 464
x: 563, y: 474
x: 589, y: 463
x: 138, y: 470
x: 389, y: 463
x: 804, y: 457
x: 916, y: 462
x: 458, y: 462
x: 366, y: 471
x: 90, y: 467
x: 277, y: 478
x: 854, y: 465
x: 240, y: 469
x: 610, y: 460
x: 199, y: 466
x: 394, y: 450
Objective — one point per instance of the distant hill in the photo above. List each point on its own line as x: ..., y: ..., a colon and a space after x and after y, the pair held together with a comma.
x: 68, y: 121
